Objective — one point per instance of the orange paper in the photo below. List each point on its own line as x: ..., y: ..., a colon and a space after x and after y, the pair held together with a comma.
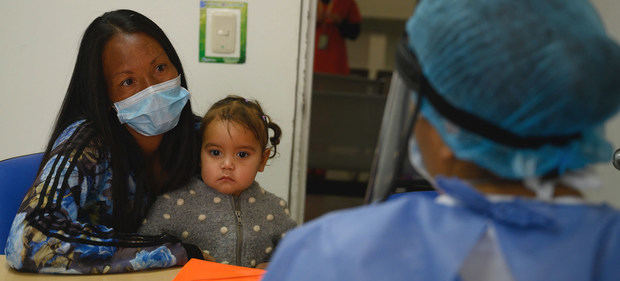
x: 199, y: 270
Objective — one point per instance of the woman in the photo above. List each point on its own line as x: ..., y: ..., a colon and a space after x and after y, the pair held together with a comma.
x: 125, y: 134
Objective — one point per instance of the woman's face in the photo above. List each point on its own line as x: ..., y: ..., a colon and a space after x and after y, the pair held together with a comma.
x: 133, y: 62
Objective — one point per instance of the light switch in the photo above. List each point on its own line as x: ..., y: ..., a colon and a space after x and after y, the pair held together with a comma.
x: 223, y: 28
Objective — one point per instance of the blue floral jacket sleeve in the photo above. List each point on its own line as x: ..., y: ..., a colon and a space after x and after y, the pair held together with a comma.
x: 60, y: 226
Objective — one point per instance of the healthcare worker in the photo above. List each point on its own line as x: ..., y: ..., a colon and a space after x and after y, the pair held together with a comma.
x: 506, y: 103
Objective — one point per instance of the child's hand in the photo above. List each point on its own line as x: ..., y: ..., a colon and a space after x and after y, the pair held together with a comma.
x: 262, y: 265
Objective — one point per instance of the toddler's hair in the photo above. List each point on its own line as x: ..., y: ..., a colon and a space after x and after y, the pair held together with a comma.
x: 247, y: 113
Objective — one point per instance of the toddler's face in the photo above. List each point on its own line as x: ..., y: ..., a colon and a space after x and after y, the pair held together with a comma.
x: 230, y: 157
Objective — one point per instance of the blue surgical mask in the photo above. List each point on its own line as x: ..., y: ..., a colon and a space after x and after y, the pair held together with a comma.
x: 154, y: 110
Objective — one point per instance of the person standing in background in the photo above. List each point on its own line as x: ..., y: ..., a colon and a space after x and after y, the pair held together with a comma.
x: 337, y: 20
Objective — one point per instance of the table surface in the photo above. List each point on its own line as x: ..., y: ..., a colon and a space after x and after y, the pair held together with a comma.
x: 7, y: 274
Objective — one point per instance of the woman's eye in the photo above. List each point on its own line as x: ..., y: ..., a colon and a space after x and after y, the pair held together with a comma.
x: 127, y: 82
x: 243, y: 154
x: 214, y: 152
x: 161, y: 67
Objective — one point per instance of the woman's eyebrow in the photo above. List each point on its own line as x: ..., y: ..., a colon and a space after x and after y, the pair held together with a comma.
x: 156, y: 57
x: 122, y: 72
x: 130, y: 72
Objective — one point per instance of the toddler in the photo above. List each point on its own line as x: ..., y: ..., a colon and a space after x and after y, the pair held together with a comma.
x: 227, y: 214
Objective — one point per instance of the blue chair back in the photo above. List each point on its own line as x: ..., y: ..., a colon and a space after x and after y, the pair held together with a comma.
x: 17, y: 175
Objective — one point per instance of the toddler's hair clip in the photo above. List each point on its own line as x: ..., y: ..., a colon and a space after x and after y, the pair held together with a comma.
x: 264, y: 118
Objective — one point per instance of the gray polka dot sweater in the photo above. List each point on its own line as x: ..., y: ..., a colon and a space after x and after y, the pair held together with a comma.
x: 241, y: 230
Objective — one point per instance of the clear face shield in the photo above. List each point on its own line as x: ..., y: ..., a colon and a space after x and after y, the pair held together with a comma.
x: 391, y: 153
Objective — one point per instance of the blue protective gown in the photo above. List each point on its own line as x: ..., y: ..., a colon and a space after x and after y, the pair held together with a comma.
x: 416, y: 238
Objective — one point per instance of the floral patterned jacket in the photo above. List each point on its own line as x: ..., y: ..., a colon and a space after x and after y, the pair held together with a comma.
x: 60, y: 225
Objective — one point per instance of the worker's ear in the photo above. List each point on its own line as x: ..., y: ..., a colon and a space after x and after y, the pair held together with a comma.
x: 436, y: 155
x: 446, y: 154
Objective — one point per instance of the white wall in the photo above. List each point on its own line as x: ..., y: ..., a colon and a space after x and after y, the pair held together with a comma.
x: 609, y: 10
x: 39, y: 42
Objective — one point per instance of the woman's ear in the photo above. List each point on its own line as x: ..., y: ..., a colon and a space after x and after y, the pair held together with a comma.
x: 264, y: 159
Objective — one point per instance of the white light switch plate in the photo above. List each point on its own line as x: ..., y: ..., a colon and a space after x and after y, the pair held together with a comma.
x: 223, y: 33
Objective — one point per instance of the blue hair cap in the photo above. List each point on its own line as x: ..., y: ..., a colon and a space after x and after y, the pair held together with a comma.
x: 531, y: 67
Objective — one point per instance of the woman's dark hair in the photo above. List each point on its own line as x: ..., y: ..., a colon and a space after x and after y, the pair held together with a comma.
x: 87, y: 98
x: 247, y: 113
